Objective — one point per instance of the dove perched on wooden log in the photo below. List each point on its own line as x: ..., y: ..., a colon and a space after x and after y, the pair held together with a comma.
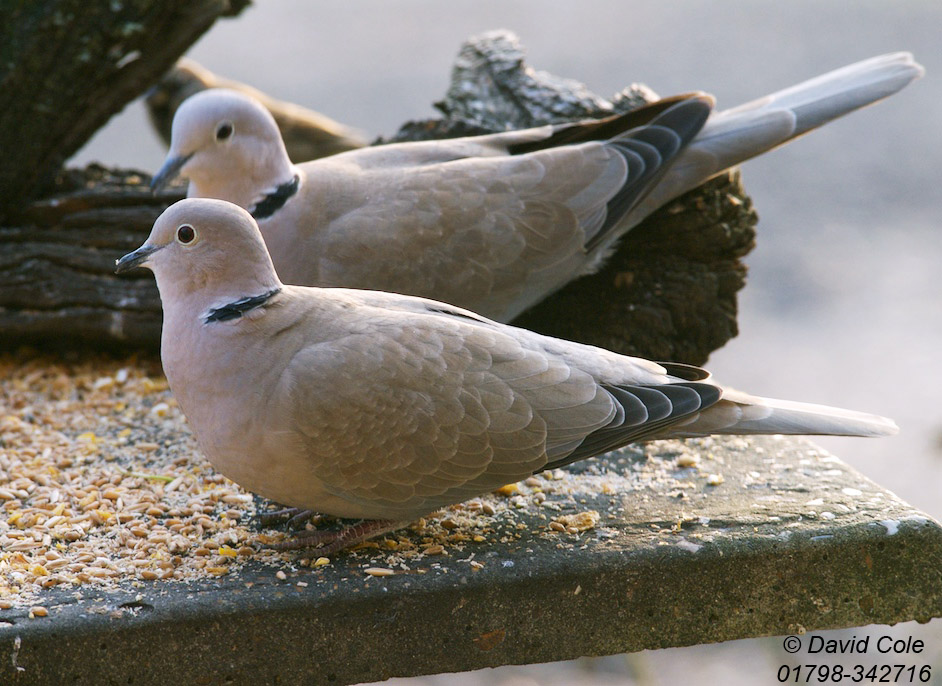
x: 492, y: 223
x: 385, y: 407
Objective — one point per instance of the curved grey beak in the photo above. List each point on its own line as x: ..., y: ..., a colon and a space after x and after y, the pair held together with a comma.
x: 168, y: 172
x: 134, y: 259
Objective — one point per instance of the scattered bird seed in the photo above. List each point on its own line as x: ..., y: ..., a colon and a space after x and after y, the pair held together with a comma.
x: 574, y: 523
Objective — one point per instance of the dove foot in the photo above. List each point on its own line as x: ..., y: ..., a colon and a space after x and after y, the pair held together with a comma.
x: 327, y: 542
x: 294, y: 518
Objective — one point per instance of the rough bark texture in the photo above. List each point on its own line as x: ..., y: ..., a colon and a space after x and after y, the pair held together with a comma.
x: 668, y: 291
x: 57, y: 281
x: 66, y: 66
x: 493, y: 87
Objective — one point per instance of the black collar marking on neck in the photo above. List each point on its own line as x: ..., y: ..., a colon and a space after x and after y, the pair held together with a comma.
x: 236, y: 309
x: 274, y: 201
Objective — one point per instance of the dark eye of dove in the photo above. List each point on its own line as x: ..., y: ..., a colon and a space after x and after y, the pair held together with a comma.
x: 224, y: 131
x: 186, y: 234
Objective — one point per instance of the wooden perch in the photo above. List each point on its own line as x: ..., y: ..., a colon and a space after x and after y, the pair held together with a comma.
x: 668, y: 292
x: 66, y: 66
x: 57, y: 281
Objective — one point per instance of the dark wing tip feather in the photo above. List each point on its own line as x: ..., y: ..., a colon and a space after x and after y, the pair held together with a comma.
x: 606, y: 128
x: 658, y: 143
x: 687, y: 117
x: 687, y: 372
x: 665, y: 405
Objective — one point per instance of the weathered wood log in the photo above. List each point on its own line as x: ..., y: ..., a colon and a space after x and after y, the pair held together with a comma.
x: 308, y: 134
x: 66, y: 66
x: 668, y: 291
x: 57, y: 281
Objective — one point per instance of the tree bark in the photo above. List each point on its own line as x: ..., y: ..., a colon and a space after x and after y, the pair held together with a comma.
x: 667, y: 292
x: 57, y: 281
x: 66, y: 66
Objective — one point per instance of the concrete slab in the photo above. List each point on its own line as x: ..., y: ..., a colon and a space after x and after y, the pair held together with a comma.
x: 764, y: 536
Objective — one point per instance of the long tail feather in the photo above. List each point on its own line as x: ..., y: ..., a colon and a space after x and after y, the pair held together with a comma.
x: 736, y: 135
x: 740, y: 413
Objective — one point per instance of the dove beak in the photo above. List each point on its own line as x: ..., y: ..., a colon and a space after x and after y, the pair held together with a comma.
x: 168, y: 172
x: 135, y: 259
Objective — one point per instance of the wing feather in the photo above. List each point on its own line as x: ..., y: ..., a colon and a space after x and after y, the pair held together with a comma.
x: 428, y: 405
x: 498, y: 231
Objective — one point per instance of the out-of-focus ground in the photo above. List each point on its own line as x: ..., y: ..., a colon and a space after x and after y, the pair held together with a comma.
x: 844, y: 300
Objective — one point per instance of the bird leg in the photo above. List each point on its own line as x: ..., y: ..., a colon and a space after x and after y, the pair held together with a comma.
x: 295, y: 516
x: 327, y: 542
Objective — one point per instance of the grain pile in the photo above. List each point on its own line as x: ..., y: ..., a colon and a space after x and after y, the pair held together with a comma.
x: 100, y: 480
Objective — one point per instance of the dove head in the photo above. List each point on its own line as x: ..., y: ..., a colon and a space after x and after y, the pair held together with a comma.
x: 229, y: 147
x: 205, y: 252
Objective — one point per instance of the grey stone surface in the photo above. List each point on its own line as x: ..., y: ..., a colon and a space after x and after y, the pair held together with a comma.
x: 790, y: 539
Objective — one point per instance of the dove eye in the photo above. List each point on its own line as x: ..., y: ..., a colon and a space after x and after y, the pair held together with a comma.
x: 223, y: 131
x: 186, y: 234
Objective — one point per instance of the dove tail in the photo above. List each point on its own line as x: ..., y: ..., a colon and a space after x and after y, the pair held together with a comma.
x: 733, y: 136
x: 740, y: 413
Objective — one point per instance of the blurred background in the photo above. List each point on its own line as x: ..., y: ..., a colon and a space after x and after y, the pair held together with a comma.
x: 843, y: 300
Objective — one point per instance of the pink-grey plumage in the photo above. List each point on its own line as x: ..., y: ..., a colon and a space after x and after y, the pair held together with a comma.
x: 490, y: 223
x: 384, y: 406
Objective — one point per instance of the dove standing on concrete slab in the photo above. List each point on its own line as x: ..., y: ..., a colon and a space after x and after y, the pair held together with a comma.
x: 492, y: 223
x: 385, y: 407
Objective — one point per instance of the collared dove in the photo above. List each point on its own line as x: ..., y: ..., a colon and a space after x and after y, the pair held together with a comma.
x: 491, y: 223
x: 374, y: 405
